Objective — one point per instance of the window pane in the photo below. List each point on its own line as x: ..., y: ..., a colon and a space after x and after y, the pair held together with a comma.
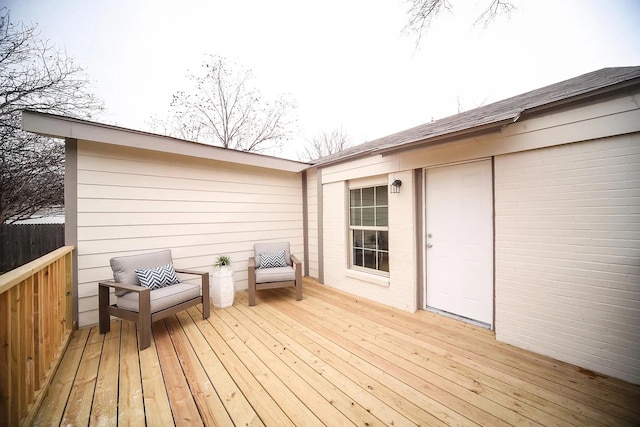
x: 358, y: 258
x: 368, y: 216
x: 381, y: 195
x: 383, y: 261
x: 357, y: 238
x: 369, y: 259
x: 370, y: 239
x: 356, y: 216
x: 367, y: 196
x: 368, y: 209
x: 383, y: 240
x: 382, y: 216
x: 355, y: 197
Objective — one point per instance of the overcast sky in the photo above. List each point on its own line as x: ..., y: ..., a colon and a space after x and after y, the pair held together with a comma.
x: 345, y: 63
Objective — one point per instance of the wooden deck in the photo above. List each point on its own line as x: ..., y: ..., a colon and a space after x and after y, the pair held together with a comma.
x: 330, y: 359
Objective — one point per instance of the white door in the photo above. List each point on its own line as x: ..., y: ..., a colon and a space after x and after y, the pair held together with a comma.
x: 459, y: 252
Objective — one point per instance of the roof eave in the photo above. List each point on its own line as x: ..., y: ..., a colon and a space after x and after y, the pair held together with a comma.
x: 472, y: 132
x: 601, y: 93
x: 67, y: 127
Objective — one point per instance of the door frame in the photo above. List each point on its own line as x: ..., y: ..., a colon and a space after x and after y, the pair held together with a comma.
x: 422, y: 227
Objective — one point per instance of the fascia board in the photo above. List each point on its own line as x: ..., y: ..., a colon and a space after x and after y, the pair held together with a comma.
x: 66, y: 127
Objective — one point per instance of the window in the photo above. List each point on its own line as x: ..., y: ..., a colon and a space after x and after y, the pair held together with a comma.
x: 369, y: 228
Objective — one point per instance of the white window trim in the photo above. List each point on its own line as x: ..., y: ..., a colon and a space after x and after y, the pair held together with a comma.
x: 368, y: 276
x: 362, y: 273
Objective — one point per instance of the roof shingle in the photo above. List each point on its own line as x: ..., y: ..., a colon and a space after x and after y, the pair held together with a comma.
x: 497, y: 113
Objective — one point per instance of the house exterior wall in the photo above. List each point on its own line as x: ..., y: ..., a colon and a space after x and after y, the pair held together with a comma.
x: 567, y: 249
x: 599, y: 143
x: 398, y: 289
x: 133, y: 201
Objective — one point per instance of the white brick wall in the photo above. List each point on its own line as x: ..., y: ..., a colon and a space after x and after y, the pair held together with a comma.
x: 402, y: 292
x: 399, y: 289
x: 568, y: 253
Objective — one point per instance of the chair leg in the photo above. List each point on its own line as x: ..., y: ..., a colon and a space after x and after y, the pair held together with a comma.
x: 144, y: 333
x: 144, y: 319
x: 104, y: 318
x: 206, y: 302
x: 298, y: 283
x: 252, y: 287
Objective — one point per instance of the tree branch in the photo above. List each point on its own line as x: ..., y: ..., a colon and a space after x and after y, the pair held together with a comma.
x: 229, y: 111
x: 34, y: 75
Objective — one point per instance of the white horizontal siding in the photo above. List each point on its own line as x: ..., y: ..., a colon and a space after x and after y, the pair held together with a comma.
x: 135, y: 201
x: 568, y: 253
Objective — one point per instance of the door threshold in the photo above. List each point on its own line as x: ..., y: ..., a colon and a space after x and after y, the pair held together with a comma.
x: 460, y: 318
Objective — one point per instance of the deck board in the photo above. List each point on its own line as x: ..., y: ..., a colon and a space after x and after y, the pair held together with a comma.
x: 330, y: 359
x: 294, y: 355
x: 183, y: 405
x: 154, y: 392
x: 464, y: 395
x: 256, y: 396
x: 383, y: 400
x: 554, y: 380
x: 53, y: 408
x: 104, y: 408
x: 209, y: 404
x: 236, y: 406
x: 130, y: 396
x: 439, y: 362
x: 78, y: 406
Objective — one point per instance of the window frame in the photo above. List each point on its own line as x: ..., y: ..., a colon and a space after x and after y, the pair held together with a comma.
x: 371, y: 228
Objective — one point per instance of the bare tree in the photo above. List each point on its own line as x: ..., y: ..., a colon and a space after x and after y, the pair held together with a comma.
x: 324, y: 144
x: 34, y: 75
x: 224, y: 108
x: 423, y: 12
x: 462, y: 108
x: 178, y: 124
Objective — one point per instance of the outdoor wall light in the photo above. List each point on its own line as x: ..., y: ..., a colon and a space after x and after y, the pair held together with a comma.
x: 395, y: 186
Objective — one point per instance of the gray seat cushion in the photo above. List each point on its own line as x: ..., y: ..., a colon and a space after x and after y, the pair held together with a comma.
x: 275, y: 274
x: 161, y: 298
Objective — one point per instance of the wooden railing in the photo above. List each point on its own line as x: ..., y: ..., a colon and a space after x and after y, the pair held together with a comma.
x: 36, y: 324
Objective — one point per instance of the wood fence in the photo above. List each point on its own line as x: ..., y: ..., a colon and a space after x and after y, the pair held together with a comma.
x: 36, y: 324
x: 22, y: 243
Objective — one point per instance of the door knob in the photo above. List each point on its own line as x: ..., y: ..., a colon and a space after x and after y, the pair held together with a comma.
x: 429, y: 245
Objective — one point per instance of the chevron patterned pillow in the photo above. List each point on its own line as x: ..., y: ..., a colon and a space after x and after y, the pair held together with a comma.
x: 272, y: 259
x: 158, y: 277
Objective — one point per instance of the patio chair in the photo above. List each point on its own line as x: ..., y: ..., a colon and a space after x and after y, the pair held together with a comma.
x: 273, y: 266
x: 147, y: 289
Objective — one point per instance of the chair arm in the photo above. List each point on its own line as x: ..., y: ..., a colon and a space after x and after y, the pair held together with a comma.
x: 204, y: 285
x: 295, y: 260
x: 122, y: 286
x: 252, y: 262
x: 186, y: 271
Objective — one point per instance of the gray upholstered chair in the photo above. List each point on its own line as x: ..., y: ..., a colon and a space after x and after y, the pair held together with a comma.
x: 273, y: 266
x: 160, y: 294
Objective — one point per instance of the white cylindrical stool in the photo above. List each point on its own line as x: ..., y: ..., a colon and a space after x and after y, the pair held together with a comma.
x: 222, y: 290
